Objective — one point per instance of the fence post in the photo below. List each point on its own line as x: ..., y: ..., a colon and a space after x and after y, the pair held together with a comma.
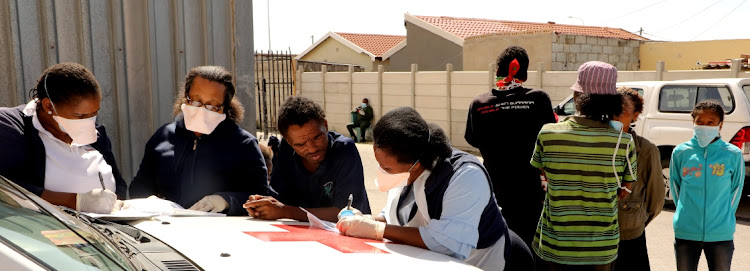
x: 351, y: 86
x: 413, y: 85
x: 298, y: 82
x: 264, y: 122
x: 323, y: 71
x: 492, y: 74
x: 659, y: 70
x: 540, y: 75
x: 736, y: 67
x: 380, y: 89
x: 448, y: 81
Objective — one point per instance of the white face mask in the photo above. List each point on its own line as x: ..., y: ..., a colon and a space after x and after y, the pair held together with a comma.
x: 387, y: 181
x: 364, y: 105
x: 82, y: 131
x: 201, y: 120
x: 705, y: 134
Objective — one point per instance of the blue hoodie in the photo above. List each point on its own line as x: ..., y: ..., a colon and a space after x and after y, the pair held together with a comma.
x: 706, y: 184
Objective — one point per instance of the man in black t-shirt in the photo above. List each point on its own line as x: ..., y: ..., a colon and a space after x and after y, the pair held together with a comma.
x: 503, y: 124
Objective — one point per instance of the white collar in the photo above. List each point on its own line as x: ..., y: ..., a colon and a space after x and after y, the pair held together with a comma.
x: 30, y: 110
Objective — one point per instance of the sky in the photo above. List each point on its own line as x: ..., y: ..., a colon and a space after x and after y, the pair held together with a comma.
x: 297, y: 24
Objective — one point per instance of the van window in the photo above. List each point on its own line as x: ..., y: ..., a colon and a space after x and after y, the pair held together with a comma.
x: 682, y: 99
x: 639, y: 90
x: 570, y: 107
x: 746, y: 89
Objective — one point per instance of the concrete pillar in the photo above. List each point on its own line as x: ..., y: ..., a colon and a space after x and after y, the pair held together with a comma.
x: 736, y: 67
x: 448, y: 74
x: 351, y: 86
x: 298, y: 82
x: 323, y: 72
x: 413, y: 85
x: 540, y: 75
x: 380, y: 89
x: 659, y: 70
x: 492, y: 74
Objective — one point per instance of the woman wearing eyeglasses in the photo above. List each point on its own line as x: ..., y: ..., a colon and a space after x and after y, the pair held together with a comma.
x: 203, y: 160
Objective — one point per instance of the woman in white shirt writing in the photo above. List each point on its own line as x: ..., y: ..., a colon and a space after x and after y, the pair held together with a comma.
x: 53, y: 147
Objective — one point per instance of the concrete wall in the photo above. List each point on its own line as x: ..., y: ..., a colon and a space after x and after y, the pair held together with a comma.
x: 442, y: 97
x: 481, y: 51
x: 139, y: 52
x: 570, y: 51
x: 429, y: 51
x: 333, y: 51
x: 684, y: 55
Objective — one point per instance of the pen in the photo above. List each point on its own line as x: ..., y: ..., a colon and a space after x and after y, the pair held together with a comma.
x: 349, y: 205
x: 101, y: 181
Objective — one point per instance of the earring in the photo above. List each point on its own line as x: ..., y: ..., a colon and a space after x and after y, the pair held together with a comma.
x: 49, y: 112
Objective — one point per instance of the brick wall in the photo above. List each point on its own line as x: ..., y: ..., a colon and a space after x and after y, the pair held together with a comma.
x: 570, y: 51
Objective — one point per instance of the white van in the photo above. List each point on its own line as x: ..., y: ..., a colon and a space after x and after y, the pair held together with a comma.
x: 36, y: 235
x: 666, y: 119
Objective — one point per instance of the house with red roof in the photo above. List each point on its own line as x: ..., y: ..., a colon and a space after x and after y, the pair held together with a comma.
x: 364, y: 51
x: 473, y: 44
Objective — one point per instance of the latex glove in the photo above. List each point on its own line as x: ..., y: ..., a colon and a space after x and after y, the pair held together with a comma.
x: 211, y: 203
x: 354, y: 210
x: 120, y: 205
x: 96, y: 201
x: 361, y: 226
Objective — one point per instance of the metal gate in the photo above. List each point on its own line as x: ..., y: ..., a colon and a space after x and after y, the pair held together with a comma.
x: 274, y: 82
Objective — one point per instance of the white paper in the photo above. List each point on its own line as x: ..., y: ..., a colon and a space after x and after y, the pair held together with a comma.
x: 316, y: 222
x: 145, y: 208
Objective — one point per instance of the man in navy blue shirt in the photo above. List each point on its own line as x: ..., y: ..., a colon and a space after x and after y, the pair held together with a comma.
x: 315, y: 169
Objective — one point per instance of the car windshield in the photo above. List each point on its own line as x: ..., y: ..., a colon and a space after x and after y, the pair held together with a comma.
x: 51, y: 238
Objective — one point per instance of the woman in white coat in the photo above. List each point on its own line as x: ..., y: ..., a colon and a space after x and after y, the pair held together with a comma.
x: 439, y: 198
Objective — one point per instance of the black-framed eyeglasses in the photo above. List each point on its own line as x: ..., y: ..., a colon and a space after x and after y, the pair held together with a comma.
x: 206, y: 106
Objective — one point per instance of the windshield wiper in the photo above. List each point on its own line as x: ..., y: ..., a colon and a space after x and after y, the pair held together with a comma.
x: 93, y: 221
x: 110, y: 235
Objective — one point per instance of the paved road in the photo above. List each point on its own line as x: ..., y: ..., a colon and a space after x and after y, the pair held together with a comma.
x: 659, y: 234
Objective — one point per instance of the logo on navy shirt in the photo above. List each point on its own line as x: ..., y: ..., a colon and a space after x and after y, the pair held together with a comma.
x: 327, y: 188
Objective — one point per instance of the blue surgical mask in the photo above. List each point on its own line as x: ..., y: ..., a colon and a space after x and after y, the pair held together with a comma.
x: 616, y: 124
x: 705, y: 134
x: 364, y: 105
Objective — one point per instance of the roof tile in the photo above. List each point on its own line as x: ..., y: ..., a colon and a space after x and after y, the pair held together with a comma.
x: 373, y: 43
x: 467, y: 27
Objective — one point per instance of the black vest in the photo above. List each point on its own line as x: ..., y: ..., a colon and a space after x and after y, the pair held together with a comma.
x: 491, y: 225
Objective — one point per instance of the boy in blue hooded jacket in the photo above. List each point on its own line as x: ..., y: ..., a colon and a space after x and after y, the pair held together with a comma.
x: 706, y: 177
